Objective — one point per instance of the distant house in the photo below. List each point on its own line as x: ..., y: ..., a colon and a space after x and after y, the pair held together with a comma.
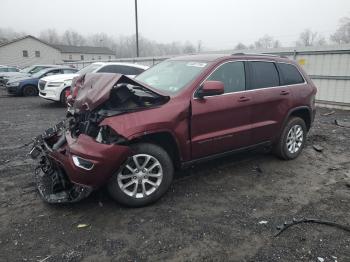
x: 87, y: 53
x: 27, y: 51
x: 30, y: 50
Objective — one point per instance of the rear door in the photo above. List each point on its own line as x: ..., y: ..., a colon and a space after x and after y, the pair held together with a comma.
x: 270, y: 100
x: 221, y: 123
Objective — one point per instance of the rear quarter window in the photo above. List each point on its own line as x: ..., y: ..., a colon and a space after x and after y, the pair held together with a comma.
x: 290, y: 74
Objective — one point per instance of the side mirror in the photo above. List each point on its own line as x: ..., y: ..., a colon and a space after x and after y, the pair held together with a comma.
x: 211, y: 88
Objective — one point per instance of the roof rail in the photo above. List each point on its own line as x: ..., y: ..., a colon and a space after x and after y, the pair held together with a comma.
x: 256, y: 54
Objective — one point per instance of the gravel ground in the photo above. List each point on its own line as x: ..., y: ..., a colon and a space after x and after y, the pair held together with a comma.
x: 211, y: 213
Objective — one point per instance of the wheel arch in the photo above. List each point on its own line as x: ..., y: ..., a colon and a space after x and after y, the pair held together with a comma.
x: 304, y: 113
x: 164, y: 139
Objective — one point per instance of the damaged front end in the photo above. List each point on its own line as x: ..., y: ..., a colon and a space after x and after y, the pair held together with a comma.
x: 79, y: 154
x: 52, y: 182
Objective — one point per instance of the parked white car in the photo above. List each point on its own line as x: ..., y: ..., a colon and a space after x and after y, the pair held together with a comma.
x: 54, y: 87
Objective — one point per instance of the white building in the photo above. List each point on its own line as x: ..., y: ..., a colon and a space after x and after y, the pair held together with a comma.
x: 27, y: 51
x: 84, y: 53
x: 30, y: 50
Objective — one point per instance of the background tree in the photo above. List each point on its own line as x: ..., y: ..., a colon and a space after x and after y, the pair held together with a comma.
x: 71, y: 37
x: 240, y: 46
x: 266, y: 42
x: 50, y: 36
x: 309, y: 38
x: 342, y: 35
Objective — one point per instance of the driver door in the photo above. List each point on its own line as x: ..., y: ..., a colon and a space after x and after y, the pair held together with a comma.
x: 221, y: 123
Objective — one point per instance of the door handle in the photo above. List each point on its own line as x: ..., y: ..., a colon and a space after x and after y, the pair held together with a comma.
x: 284, y: 92
x: 243, y: 99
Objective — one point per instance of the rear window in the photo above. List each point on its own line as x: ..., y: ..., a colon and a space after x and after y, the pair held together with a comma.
x: 264, y: 75
x: 291, y: 74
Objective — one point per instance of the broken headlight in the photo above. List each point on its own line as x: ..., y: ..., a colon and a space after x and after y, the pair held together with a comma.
x: 107, y: 135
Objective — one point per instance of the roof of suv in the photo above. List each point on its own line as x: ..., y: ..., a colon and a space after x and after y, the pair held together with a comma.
x: 217, y: 57
x: 121, y: 63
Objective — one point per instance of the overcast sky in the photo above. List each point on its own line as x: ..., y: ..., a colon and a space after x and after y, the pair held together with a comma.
x: 219, y: 24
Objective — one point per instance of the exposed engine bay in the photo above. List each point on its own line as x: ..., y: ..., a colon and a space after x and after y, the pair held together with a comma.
x: 116, y: 95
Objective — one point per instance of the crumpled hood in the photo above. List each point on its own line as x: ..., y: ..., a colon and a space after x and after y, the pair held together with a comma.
x: 94, y: 89
x: 59, y: 78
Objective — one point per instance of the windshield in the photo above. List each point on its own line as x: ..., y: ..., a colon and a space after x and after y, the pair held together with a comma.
x: 88, y: 69
x: 39, y: 73
x: 27, y: 69
x: 171, y: 76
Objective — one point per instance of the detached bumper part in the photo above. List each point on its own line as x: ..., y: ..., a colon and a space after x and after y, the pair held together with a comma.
x: 50, y: 183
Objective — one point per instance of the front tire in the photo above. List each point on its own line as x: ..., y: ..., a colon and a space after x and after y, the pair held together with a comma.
x: 144, y: 178
x: 30, y: 90
x: 292, y: 139
x: 63, y: 98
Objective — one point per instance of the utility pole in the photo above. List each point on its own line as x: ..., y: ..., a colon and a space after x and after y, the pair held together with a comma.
x: 137, y: 31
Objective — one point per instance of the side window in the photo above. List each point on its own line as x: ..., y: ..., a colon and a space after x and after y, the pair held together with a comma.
x: 53, y: 72
x: 69, y: 71
x: 110, y: 69
x: 12, y: 69
x: 137, y: 71
x: 232, y: 74
x: 120, y: 69
x: 264, y: 75
x: 3, y: 69
x: 291, y: 74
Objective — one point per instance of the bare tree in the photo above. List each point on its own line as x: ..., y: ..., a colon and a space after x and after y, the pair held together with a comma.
x: 71, y: 37
x: 50, y: 36
x: 266, y: 42
x: 342, y: 35
x: 7, y: 34
x: 240, y: 46
x: 189, y: 48
x: 309, y: 38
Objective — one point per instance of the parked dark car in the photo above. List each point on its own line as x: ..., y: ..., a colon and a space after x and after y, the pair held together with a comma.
x: 28, y: 85
x: 4, y: 69
x: 131, y: 134
x: 27, y: 71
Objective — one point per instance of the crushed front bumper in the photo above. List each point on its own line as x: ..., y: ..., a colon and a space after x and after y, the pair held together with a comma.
x: 105, y: 160
x: 60, y: 178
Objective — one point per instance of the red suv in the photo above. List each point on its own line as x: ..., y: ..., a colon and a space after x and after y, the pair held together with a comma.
x: 131, y: 134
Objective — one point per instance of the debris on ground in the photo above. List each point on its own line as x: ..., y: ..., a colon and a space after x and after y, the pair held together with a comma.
x: 318, y: 148
x: 263, y: 222
x: 82, y: 225
x: 309, y: 220
x: 46, y: 258
x: 258, y: 169
x: 328, y: 113
x: 341, y: 123
x: 321, y: 259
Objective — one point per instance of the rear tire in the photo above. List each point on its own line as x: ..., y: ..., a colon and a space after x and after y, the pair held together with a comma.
x: 144, y: 178
x: 30, y: 90
x: 292, y: 139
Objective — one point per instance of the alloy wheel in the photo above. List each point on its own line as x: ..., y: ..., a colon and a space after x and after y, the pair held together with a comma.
x: 295, y: 139
x: 141, y: 176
